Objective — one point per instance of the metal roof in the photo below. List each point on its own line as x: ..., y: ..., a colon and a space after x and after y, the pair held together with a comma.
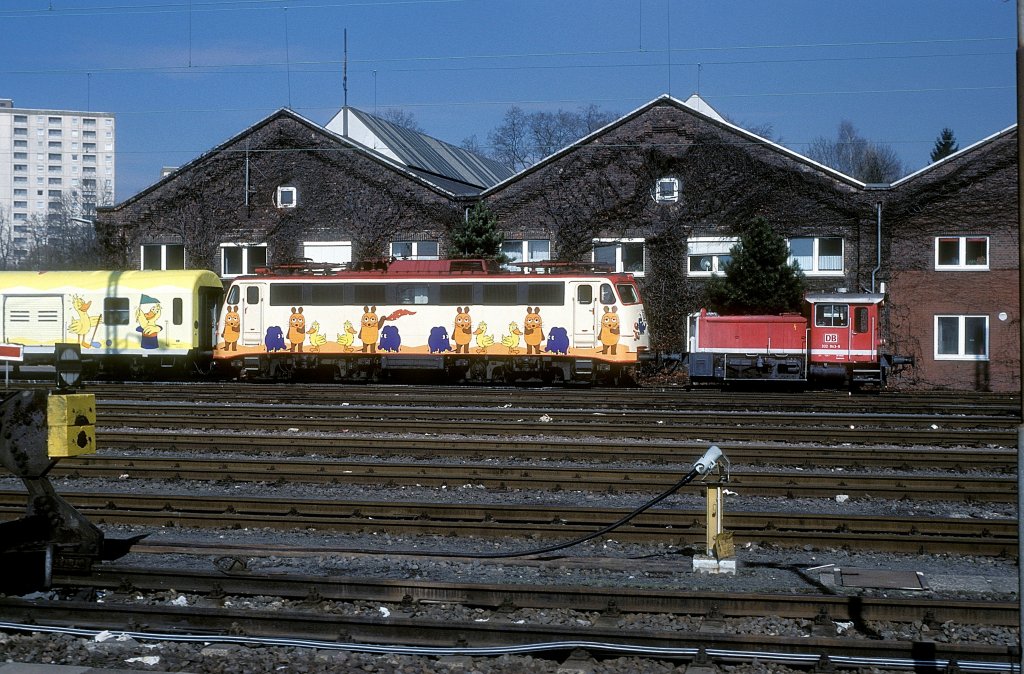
x: 429, y: 156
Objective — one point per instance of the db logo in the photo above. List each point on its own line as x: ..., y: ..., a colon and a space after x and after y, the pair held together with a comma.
x: 831, y: 338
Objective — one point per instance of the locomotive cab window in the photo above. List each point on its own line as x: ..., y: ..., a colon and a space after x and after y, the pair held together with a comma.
x: 832, y: 315
x: 252, y: 295
x: 860, y: 319
x: 176, y: 310
x: 607, y: 295
x: 627, y: 294
x: 233, y: 295
x: 584, y: 295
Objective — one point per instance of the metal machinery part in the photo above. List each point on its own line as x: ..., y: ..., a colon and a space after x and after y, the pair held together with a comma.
x: 52, y: 537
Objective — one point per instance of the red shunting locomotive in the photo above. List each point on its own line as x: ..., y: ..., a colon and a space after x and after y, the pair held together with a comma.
x: 837, y: 342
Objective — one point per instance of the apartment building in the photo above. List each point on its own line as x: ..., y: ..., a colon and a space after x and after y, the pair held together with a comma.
x: 53, y: 164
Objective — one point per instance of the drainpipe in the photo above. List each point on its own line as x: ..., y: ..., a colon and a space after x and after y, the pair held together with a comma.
x: 1020, y: 315
x: 878, y: 239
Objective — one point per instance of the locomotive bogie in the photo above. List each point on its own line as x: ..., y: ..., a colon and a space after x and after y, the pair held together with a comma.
x: 131, y: 322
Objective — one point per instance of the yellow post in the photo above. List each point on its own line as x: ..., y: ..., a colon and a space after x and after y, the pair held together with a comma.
x: 71, y: 424
x: 714, y: 516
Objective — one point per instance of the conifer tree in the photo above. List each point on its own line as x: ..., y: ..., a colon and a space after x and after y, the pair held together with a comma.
x: 478, y: 236
x: 759, y: 279
x: 945, y: 145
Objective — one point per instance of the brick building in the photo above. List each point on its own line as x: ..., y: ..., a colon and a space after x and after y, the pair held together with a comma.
x: 662, y: 192
x: 953, y: 263
x: 288, y: 189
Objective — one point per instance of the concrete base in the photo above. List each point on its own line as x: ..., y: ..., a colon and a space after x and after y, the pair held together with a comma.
x: 708, y: 564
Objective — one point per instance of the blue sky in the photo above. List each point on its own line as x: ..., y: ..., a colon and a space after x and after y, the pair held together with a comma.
x: 185, y: 75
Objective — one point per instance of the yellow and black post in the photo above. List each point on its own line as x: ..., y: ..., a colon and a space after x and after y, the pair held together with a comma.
x: 70, y: 424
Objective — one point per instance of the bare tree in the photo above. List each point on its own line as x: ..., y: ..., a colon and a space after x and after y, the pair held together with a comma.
x: 8, y: 252
x: 402, y: 118
x: 524, y: 138
x: 64, y: 239
x: 192, y: 222
x: 510, y: 142
x: 854, y: 155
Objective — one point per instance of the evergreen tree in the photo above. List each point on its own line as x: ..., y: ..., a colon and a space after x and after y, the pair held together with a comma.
x: 759, y: 279
x: 477, y: 236
x: 945, y: 145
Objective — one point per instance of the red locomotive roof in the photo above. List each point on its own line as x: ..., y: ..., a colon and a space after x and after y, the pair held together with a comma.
x: 439, y: 268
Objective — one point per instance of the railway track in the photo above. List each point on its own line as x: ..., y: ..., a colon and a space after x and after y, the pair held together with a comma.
x: 552, y: 448
x: 514, y: 423
x: 990, y: 537
x: 336, y: 630
x: 316, y: 438
x: 124, y: 580
x: 787, y: 484
x: 950, y: 403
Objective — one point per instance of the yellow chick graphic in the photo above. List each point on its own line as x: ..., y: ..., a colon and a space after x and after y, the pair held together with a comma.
x: 345, y: 338
x: 81, y: 325
x: 483, y: 340
x: 316, y: 338
x: 511, y: 340
x: 148, y: 317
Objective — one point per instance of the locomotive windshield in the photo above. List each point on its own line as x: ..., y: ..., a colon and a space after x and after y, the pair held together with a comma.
x: 832, y: 315
x: 628, y: 293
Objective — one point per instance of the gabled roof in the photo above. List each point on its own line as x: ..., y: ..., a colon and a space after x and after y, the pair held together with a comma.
x: 956, y: 155
x: 693, y: 105
x: 452, y: 167
x: 435, y: 184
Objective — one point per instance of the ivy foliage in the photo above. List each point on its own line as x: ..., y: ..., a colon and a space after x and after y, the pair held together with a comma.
x: 759, y: 279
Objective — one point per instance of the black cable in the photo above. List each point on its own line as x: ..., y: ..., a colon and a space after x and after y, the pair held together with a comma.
x: 561, y: 546
x: 232, y: 565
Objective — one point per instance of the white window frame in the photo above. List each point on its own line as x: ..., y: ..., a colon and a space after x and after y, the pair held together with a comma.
x: 670, y: 196
x: 816, y: 256
x: 163, y: 256
x: 416, y: 254
x: 525, y: 254
x: 341, y: 251
x: 962, y: 337
x: 287, y: 190
x: 618, y: 254
x: 246, y: 247
x: 715, y: 247
x: 962, y: 265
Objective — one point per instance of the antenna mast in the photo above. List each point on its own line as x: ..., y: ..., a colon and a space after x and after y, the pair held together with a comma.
x: 344, y: 86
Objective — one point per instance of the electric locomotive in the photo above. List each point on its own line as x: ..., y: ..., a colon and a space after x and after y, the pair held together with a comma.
x: 837, y: 341
x: 466, y: 319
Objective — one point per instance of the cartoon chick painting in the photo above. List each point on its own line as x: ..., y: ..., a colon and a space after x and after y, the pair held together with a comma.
x: 148, y: 317
x: 85, y: 323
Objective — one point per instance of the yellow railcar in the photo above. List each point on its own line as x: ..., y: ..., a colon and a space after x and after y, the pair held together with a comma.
x: 138, y: 320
